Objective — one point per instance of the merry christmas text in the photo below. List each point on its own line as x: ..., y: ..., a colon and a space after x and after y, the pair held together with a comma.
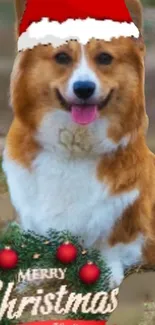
x: 60, y: 302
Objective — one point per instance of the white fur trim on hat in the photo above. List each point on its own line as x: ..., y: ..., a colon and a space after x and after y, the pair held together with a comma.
x: 55, y: 33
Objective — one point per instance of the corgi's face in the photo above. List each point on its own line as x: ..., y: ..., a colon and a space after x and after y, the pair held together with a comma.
x: 93, y: 91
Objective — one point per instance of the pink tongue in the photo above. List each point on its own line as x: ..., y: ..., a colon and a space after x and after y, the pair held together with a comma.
x: 84, y: 114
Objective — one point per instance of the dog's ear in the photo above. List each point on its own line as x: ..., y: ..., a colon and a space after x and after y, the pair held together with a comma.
x: 136, y: 12
x: 19, y: 10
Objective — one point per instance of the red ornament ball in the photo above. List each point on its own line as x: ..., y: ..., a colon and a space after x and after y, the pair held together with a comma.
x: 8, y: 259
x: 89, y: 273
x: 66, y: 253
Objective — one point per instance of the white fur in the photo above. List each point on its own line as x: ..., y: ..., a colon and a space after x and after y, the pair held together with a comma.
x: 82, y: 73
x: 61, y: 191
x: 121, y: 257
x: 65, y: 195
x: 55, y: 33
x: 58, y: 132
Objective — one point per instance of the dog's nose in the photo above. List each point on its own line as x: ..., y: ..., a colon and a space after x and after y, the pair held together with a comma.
x: 84, y: 89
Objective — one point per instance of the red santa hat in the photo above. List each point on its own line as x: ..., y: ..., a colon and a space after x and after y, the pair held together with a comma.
x: 57, y: 21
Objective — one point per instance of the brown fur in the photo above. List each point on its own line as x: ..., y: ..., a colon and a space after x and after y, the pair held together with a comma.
x: 135, y: 9
x: 19, y: 6
x: 132, y: 167
x: 22, y: 146
x: 19, y: 9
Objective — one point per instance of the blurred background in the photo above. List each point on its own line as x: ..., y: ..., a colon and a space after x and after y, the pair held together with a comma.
x: 7, y: 54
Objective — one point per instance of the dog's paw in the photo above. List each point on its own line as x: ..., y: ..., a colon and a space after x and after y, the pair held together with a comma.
x: 116, y: 274
x: 116, y: 279
x: 115, y: 266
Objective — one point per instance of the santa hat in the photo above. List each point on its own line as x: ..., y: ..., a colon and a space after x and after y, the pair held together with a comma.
x: 57, y: 21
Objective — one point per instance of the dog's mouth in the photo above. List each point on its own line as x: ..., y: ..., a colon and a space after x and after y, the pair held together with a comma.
x: 84, y: 113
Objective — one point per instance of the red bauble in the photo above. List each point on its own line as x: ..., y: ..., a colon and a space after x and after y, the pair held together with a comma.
x: 66, y: 253
x: 89, y: 273
x: 8, y: 259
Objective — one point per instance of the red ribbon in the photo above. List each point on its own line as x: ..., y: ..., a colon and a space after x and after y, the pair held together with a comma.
x: 66, y: 322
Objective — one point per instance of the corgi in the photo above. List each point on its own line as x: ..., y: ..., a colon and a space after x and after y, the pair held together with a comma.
x: 76, y: 157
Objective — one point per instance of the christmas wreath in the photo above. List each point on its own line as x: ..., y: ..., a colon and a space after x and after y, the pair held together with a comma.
x: 85, y: 272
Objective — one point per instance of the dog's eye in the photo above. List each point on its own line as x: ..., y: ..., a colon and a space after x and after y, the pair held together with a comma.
x: 63, y: 58
x: 104, y: 58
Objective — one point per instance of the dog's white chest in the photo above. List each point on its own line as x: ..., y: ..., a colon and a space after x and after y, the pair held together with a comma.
x: 65, y: 195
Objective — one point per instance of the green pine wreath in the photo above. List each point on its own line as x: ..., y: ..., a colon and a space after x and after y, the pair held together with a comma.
x: 27, y: 245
